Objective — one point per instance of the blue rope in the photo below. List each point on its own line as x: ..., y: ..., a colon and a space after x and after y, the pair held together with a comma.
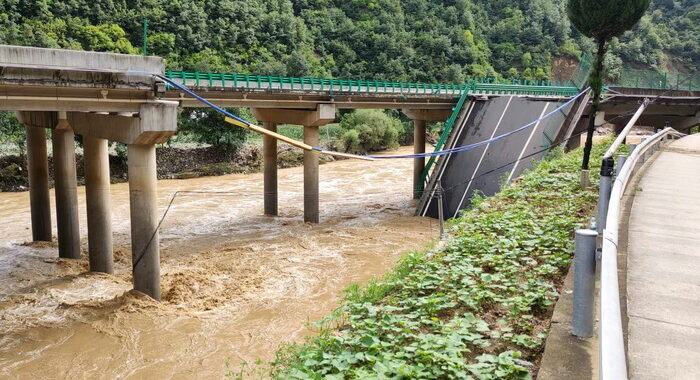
x: 377, y: 157
x: 201, y: 99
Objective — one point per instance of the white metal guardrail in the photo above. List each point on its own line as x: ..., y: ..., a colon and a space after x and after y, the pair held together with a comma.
x: 612, y: 360
x: 613, y: 363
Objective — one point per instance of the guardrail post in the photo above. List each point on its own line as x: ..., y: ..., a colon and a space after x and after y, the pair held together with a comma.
x: 584, y: 283
x: 441, y: 216
x: 606, y: 172
x: 620, y: 163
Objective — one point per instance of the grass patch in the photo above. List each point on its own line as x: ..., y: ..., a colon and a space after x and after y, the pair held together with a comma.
x: 478, y: 307
x: 216, y: 169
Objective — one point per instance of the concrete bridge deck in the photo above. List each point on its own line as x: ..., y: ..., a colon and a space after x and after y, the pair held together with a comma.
x: 663, y: 267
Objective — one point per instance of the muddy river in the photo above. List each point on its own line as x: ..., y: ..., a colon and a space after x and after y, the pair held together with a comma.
x: 235, y: 284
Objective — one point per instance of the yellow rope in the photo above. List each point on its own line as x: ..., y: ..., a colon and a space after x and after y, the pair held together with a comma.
x: 292, y: 142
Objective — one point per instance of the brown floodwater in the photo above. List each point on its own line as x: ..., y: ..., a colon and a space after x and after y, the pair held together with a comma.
x: 236, y: 284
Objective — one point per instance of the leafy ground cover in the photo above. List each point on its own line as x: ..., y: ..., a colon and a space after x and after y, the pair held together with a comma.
x: 477, y: 307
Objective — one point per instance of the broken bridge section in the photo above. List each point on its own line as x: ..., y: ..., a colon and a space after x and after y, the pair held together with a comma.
x: 486, y: 168
x: 102, y: 97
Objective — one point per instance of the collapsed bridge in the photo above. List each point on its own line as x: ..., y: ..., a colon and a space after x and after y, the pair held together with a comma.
x: 111, y: 97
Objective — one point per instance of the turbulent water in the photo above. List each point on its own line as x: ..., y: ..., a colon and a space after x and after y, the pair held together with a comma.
x: 235, y: 284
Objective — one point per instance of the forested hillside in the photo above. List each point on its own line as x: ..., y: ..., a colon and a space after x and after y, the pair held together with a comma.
x: 416, y: 40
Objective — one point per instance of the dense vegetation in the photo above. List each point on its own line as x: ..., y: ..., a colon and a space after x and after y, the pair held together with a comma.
x: 418, y: 40
x: 477, y: 307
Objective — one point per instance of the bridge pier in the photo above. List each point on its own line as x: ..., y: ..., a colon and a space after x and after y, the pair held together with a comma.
x: 97, y: 196
x: 420, y: 119
x: 270, y: 170
x: 66, y: 191
x: 38, y: 171
x: 311, y: 193
x: 418, y: 163
x: 153, y: 124
x: 143, y: 198
x: 311, y: 120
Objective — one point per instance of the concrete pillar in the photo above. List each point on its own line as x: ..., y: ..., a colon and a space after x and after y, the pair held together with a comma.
x: 420, y: 117
x: 66, y: 190
x: 270, y: 168
x: 97, y: 196
x: 38, y: 168
x: 418, y: 163
x: 311, y: 202
x: 144, y: 220
x: 311, y: 120
x: 599, y: 118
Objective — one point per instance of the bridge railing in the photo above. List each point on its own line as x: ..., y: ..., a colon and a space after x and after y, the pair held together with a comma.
x: 271, y: 83
x: 613, y: 364
x: 635, y: 78
x: 449, y: 125
x: 657, y: 80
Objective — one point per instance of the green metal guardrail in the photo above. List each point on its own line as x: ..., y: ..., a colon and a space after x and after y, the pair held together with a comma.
x: 443, y: 139
x: 580, y: 77
x: 657, y: 80
x: 478, y: 85
x: 634, y: 78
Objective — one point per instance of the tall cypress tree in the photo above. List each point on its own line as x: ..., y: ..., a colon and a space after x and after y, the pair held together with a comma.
x: 602, y: 20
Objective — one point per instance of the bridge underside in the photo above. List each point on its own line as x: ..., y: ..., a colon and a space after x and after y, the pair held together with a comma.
x: 680, y: 111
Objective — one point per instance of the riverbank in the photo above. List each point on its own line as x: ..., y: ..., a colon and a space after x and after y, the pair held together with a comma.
x: 173, y: 162
x: 480, y: 306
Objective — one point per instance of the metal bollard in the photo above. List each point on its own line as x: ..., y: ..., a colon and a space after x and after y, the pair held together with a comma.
x: 606, y: 172
x: 584, y: 283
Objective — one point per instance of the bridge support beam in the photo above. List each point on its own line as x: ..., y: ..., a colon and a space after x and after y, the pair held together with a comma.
x: 270, y: 168
x: 38, y: 170
x: 420, y: 119
x: 684, y: 125
x: 99, y: 214
x: 66, y: 190
x: 311, y: 120
x: 145, y: 250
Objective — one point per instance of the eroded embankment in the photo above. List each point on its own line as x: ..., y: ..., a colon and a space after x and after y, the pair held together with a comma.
x: 480, y: 306
x: 235, y: 284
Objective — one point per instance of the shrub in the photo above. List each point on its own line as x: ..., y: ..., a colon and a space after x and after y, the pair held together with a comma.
x: 12, y: 132
x: 370, y: 131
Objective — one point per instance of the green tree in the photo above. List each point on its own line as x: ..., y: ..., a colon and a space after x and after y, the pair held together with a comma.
x: 205, y: 125
x: 12, y: 132
x: 370, y: 131
x: 602, y: 20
